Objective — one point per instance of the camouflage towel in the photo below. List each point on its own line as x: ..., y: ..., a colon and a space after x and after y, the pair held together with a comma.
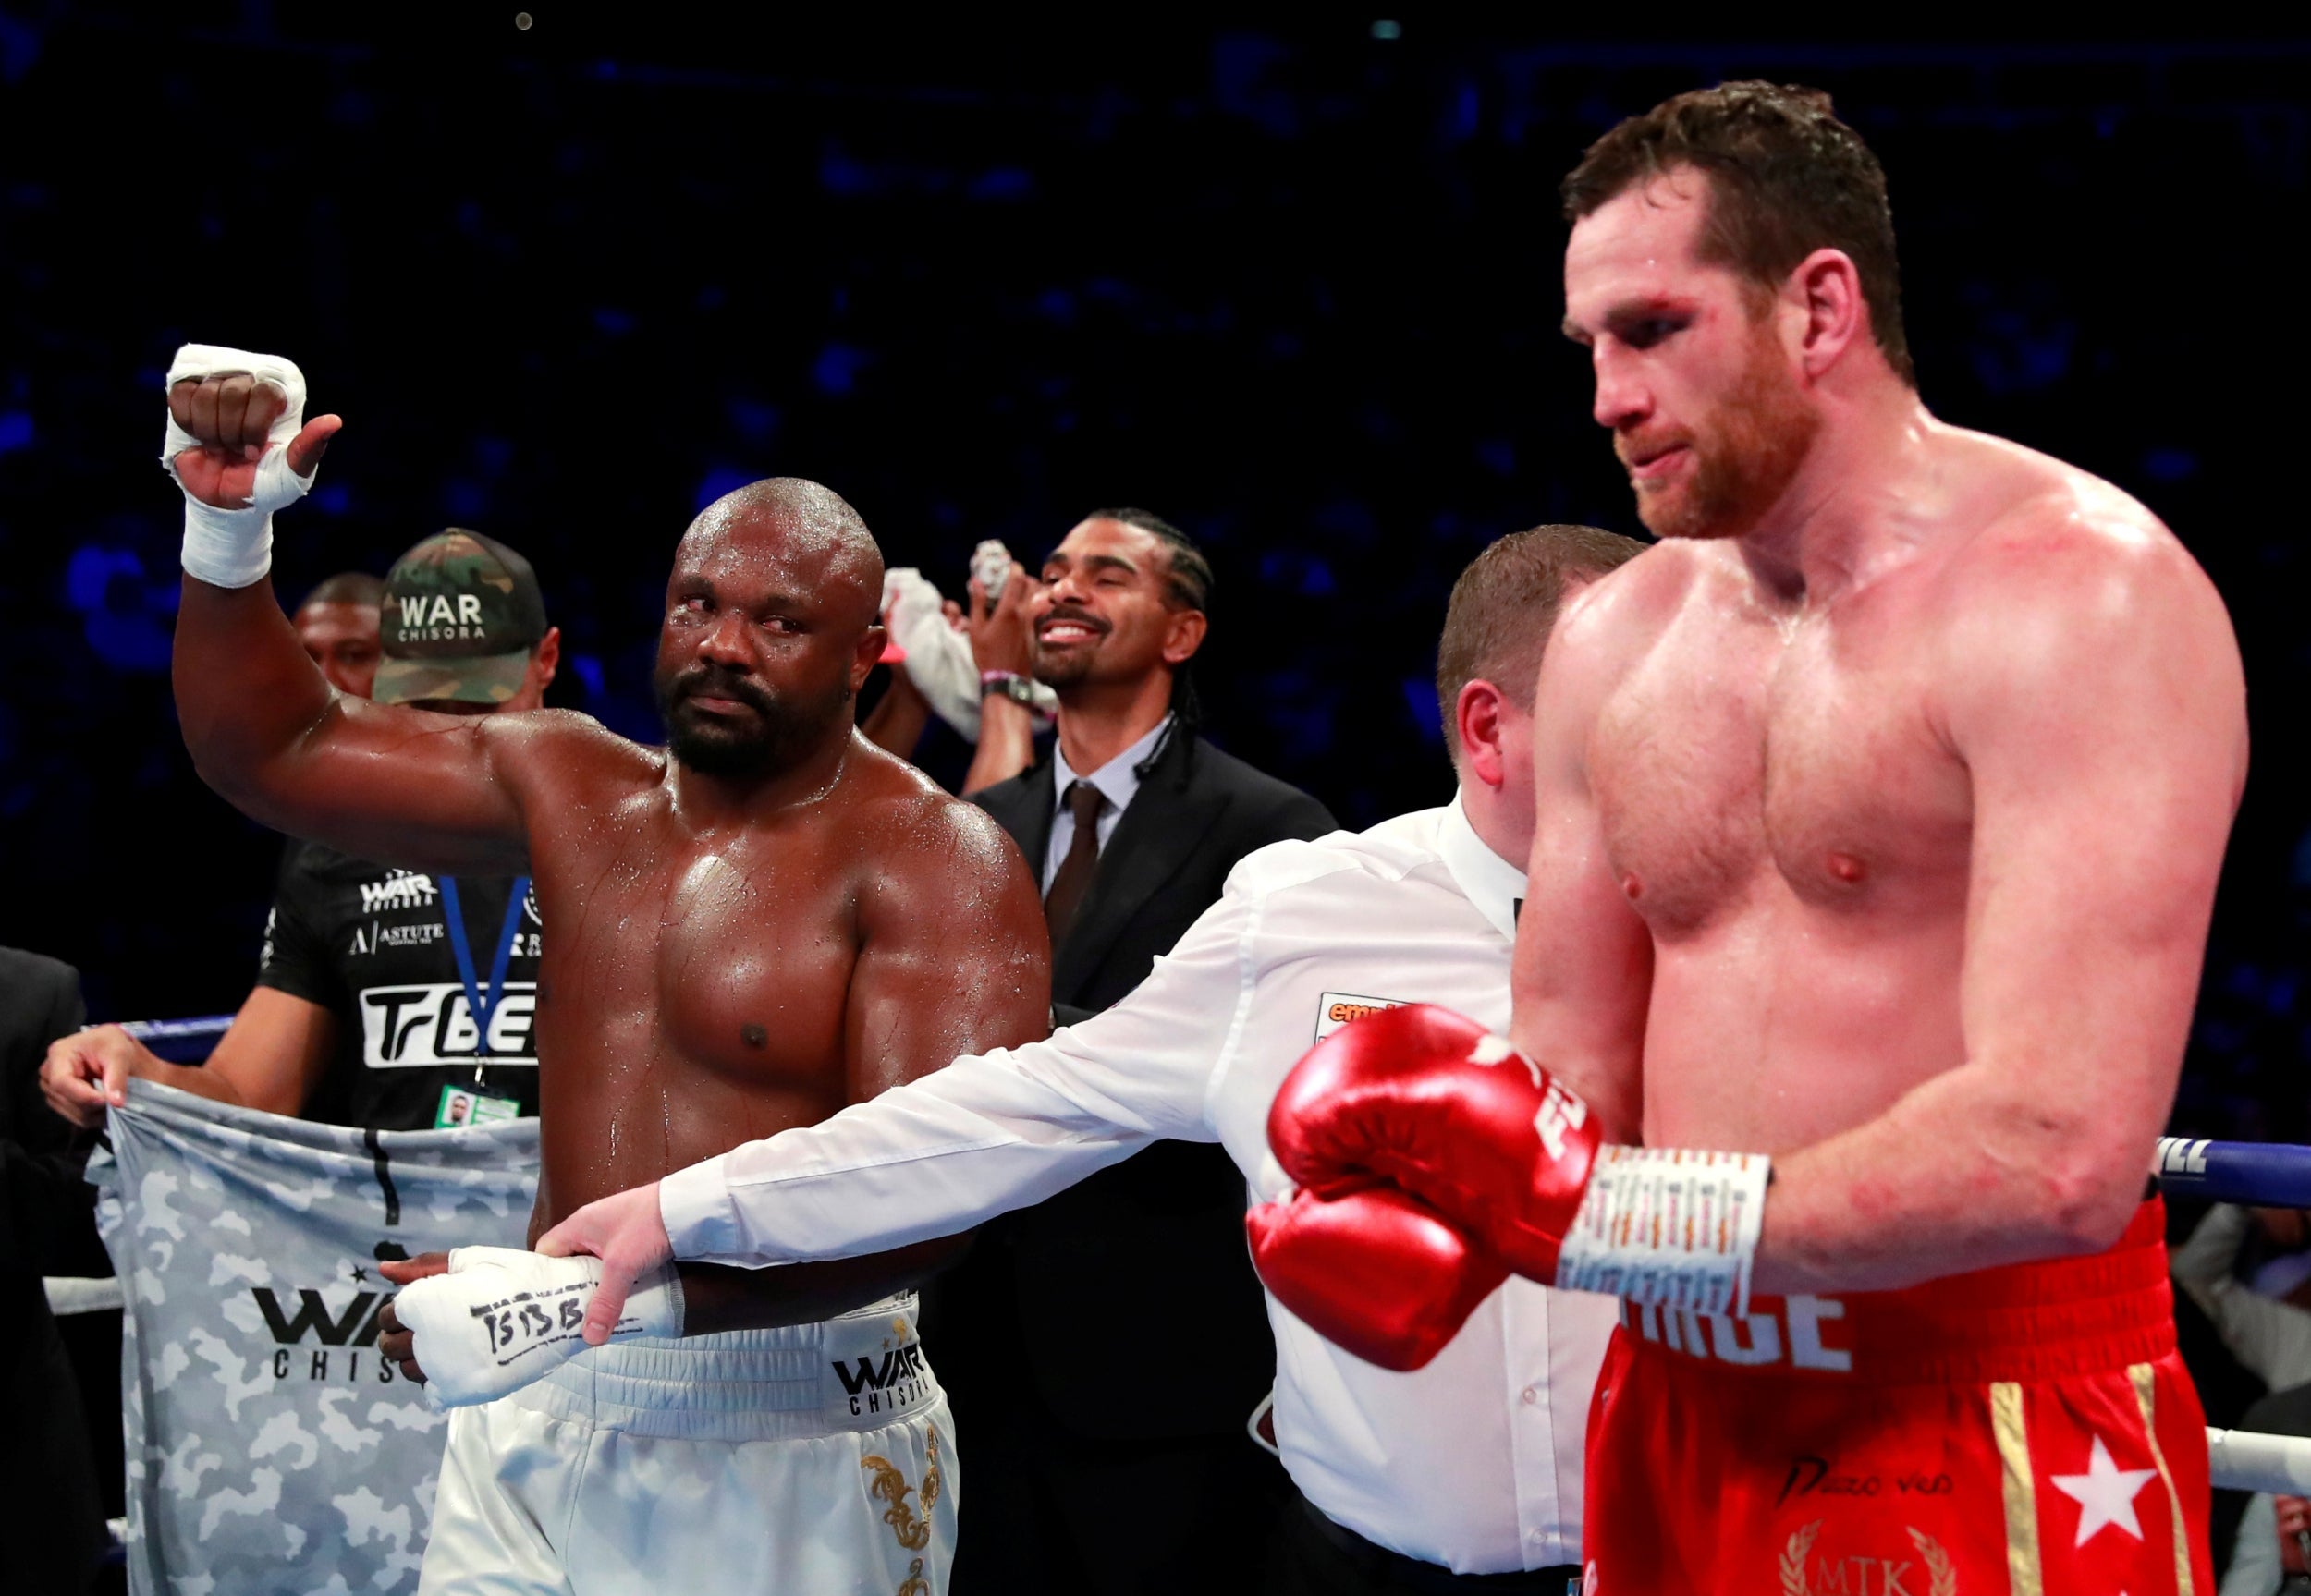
x: 271, y: 1448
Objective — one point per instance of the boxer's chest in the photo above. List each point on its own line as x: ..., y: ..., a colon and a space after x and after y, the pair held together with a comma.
x: 731, y: 952
x: 1742, y: 762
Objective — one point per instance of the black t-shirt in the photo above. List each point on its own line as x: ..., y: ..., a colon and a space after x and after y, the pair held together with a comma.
x: 370, y: 945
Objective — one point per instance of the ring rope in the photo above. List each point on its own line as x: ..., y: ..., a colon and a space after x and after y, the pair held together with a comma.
x: 2267, y: 1175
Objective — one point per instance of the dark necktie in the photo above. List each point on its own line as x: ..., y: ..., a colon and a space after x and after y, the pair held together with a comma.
x: 1073, y: 878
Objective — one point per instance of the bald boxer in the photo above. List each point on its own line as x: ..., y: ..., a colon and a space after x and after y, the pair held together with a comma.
x: 1881, y: 811
x: 753, y: 927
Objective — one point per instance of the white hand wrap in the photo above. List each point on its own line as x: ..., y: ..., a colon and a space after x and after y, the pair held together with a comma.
x: 1669, y: 1225
x: 502, y: 1316
x: 234, y: 548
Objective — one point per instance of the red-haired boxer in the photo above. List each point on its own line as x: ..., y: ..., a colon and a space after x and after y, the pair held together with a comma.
x: 1881, y: 811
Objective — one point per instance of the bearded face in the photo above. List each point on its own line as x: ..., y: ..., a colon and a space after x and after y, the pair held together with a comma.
x: 722, y: 723
x: 1743, y: 451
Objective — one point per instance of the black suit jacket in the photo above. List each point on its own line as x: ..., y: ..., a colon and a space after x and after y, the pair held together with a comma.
x: 1132, y: 1295
x: 52, y: 1527
x: 1198, y: 810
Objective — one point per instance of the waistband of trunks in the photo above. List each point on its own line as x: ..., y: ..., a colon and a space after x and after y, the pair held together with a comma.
x: 859, y: 1371
x: 2023, y: 1322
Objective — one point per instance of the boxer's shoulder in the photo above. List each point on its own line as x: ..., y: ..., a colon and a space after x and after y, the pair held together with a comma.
x: 2056, y: 590
x: 2040, y: 544
x: 2011, y: 509
x: 1613, y: 622
x: 565, y: 753
x: 907, y: 823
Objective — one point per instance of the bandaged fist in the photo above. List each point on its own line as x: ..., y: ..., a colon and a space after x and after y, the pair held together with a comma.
x: 228, y: 419
x: 625, y: 1233
x: 1428, y: 1100
x: 1377, y: 1272
x: 499, y: 1318
x: 240, y: 446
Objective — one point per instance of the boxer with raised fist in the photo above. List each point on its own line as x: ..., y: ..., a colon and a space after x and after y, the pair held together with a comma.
x: 753, y: 927
x: 1881, y: 808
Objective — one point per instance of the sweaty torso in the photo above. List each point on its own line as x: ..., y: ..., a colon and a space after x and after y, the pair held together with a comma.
x: 1785, y: 811
x: 694, y: 989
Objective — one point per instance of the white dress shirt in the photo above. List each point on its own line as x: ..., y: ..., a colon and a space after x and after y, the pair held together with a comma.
x: 1474, y: 1462
x: 1116, y: 780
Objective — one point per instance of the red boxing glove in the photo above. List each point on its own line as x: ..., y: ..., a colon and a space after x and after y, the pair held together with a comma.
x: 1375, y: 1272
x: 1431, y: 1100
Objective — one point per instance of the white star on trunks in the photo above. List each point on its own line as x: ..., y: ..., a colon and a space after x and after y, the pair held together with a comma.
x: 2105, y: 1494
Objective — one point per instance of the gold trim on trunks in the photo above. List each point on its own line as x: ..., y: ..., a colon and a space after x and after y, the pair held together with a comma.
x: 2146, y: 1379
x: 2024, y: 1573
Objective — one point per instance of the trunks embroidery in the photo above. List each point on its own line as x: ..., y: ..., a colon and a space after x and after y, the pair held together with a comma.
x: 1793, y: 1558
x: 1937, y: 1564
x: 1942, y: 1574
x: 914, y: 1532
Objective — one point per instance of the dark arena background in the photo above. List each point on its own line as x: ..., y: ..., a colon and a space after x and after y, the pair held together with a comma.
x: 1294, y: 287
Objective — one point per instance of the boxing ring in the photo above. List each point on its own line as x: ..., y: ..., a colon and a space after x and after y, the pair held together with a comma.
x: 2259, y: 1174
x: 2255, y: 1174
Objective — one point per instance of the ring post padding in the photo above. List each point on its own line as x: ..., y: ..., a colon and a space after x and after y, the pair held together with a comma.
x: 2242, y: 1460
x: 2266, y: 1175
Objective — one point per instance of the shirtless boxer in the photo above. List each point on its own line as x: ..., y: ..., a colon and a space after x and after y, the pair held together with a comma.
x: 765, y: 921
x: 1881, y: 806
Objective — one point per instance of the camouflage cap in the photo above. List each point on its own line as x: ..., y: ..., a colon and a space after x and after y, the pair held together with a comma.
x: 461, y: 615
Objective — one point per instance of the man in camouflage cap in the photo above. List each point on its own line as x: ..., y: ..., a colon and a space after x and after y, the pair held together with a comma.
x: 464, y: 629
x: 362, y: 1014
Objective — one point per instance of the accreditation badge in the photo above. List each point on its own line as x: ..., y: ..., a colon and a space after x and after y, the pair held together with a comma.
x: 462, y: 1105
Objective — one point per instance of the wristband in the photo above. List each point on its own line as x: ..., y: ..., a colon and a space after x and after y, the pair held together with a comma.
x: 233, y: 548
x: 1009, y: 684
x: 502, y: 1316
x: 1668, y: 1226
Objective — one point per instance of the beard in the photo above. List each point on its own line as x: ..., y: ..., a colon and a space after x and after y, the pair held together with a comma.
x: 1057, y: 671
x: 1745, y: 455
x: 784, y: 730
x: 1067, y: 666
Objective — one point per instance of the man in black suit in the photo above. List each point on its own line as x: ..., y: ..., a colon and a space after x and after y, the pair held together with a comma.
x: 1103, y: 1349
x: 51, y: 1529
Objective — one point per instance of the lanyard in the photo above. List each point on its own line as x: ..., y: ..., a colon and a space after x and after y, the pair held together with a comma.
x: 482, y: 1003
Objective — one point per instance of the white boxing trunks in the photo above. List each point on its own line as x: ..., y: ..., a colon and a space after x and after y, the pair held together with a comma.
x: 817, y: 1458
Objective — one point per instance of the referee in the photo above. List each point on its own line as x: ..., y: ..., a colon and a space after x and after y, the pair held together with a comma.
x: 1466, y: 1474
x: 385, y: 998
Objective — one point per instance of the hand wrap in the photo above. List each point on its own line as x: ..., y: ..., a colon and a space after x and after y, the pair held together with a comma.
x: 502, y: 1316
x: 234, y: 548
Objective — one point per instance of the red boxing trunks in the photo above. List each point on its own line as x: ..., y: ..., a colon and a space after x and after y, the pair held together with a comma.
x: 2026, y: 1431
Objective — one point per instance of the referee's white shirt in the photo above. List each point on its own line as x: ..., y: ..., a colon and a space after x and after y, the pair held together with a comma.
x: 1474, y: 1462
